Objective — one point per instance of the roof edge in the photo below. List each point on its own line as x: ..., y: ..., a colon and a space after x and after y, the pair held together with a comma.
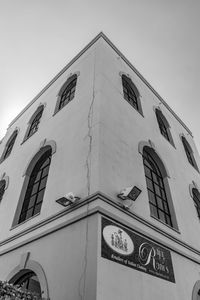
x: 94, y: 40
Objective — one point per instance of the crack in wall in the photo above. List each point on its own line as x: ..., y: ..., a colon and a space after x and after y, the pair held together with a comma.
x: 88, y: 177
x: 89, y: 136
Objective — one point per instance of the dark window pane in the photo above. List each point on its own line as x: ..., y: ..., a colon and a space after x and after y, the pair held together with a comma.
x: 149, y: 184
x: 147, y: 171
x: 168, y: 220
x: 159, y: 203
x: 162, y: 216
x: 35, y: 123
x: 68, y: 93
x: 40, y: 196
x: 153, y: 210
x: 36, y: 187
x: 45, y: 172
x: 163, y: 194
x: 9, y: 146
x: 156, y: 189
x: 196, y: 198
x: 188, y: 152
x: 2, y: 188
x: 152, y: 197
x: 43, y: 183
x: 32, y: 201
x: 156, y: 178
x: 37, y: 177
x: 30, y: 282
x: 37, y: 208
x: 45, y: 164
x: 165, y: 207
x: 163, y: 128
x: 29, y: 213
x: 129, y: 93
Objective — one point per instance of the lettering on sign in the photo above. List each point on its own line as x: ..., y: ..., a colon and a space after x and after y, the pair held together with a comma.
x: 125, y: 247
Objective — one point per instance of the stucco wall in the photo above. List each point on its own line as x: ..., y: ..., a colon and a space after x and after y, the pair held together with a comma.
x: 73, y: 166
x: 68, y: 258
x: 122, y: 128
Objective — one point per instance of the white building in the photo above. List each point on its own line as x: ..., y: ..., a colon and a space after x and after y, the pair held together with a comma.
x: 96, y: 129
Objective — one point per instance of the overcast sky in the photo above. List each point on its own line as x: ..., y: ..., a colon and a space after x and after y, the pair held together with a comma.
x: 160, y: 38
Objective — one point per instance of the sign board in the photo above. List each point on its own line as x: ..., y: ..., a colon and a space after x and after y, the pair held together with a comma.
x: 132, y: 250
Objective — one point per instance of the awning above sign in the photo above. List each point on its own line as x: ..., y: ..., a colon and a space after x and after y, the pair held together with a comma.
x: 134, y: 251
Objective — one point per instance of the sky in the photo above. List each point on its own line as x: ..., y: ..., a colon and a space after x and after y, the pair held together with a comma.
x: 159, y: 37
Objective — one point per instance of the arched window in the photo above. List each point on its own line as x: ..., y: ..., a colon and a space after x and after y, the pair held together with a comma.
x: 164, y: 126
x: 66, y: 93
x: 34, y: 122
x: 131, y: 94
x: 156, y: 186
x: 196, y: 198
x: 9, y: 146
x: 35, y: 187
x: 27, y: 280
x: 2, y: 188
x: 196, y: 291
x: 189, y: 153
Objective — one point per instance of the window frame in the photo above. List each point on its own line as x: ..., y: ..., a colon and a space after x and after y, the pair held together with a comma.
x: 27, y: 264
x: 164, y: 126
x: 156, y: 187
x: 196, y: 200
x: 26, y: 275
x: 34, y: 119
x: 150, y: 148
x: 35, y: 188
x: 44, y: 146
x: 189, y: 153
x: 63, y: 90
x: 9, y: 146
x: 131, y: 93
x: 2, y: 188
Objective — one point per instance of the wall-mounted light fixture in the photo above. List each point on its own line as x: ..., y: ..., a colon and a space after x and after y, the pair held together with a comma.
x: 128, y: 195
x: 68, y: 199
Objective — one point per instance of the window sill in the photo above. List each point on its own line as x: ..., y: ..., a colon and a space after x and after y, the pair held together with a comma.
x: 173, y: 228
x: 194, y: 167
x: 27, y: 138
x: 140, y: 112
x: 172, y: 144
x: 19, y: 224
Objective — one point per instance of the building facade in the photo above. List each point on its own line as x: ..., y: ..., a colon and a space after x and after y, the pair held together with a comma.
x: 99, y: 188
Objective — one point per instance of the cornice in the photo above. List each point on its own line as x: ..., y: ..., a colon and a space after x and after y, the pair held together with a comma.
x: 90, y: 211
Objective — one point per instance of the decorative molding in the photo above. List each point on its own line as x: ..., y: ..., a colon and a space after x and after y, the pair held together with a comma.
x: 151, y: 145
x: 24, y: 259
x: 36, y: 268
x: 195, y: 291
x: 126, y: 74
x: 156, y: 107
x: 98, y: 209
x: 43, y: 143
x: 17, y: 129
x: 6, y: 178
